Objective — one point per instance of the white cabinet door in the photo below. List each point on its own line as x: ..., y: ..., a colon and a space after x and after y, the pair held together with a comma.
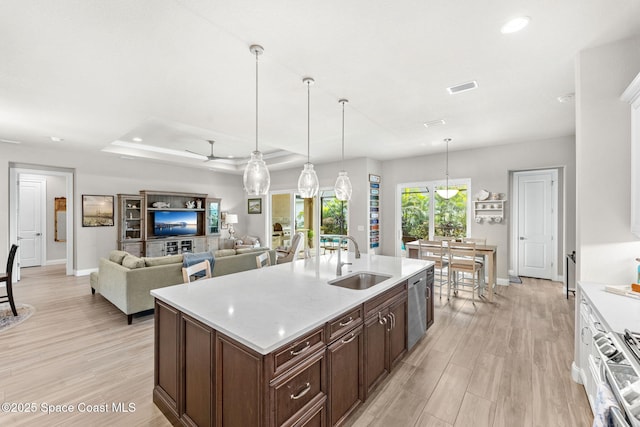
x: 155, y: 249
x: 632, y: 96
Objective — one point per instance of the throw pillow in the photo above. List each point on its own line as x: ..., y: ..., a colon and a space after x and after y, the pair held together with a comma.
x: 117, y: 256
x: 132, y: 262
x: 162, y: 260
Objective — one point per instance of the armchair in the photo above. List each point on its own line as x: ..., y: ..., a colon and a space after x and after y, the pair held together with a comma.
x: 289, y: 255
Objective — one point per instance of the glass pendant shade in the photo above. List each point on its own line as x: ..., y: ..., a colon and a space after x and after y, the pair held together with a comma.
x: 308, y: 182
x: 343, y: 187
x: 447, y: 193
x: 256, y: 177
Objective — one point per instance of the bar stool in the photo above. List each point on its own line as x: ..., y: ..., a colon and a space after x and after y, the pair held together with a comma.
x: 431, y: 250
x: 462, y: 259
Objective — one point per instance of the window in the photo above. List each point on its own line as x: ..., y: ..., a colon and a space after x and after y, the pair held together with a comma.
x: 426, y: 214
x: 333, y: 215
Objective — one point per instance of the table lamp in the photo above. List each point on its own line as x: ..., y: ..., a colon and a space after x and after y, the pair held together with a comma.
x: 231, y: 219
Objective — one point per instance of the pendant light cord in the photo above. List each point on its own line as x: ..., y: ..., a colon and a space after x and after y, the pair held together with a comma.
x: 342, y: 162
x: 308, y: 122
x: 257, y: 100
x: 447, y: 167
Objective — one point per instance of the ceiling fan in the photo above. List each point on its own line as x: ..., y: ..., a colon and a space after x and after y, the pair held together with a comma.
x: 211, y: 156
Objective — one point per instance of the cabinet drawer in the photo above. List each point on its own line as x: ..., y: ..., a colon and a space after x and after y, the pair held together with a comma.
x: 343, y: 323
x: 293, y: 393
x: 286, y: 357
x: 377, y: 303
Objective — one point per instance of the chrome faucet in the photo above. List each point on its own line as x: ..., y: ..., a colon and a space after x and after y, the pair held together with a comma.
x: 340, y: 263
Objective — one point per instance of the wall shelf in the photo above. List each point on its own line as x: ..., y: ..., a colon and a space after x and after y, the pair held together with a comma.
x: 490, y: 211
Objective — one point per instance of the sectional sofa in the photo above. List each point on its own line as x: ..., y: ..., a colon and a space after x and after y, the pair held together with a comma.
x: 126, y: 280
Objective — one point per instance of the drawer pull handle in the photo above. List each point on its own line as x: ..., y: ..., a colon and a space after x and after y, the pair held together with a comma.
x: 348, y: 340
x: 302, y: 392
x: 382, y: 320
x: 302, y: 350
x: 347, y: 322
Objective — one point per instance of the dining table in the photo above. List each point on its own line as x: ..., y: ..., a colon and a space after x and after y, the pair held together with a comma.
x: 489, y: 252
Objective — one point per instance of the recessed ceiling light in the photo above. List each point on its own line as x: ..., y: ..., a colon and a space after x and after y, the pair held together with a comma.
x: 10, y: 141
x: 462, y: 87
x: 434, y: 123
x: 515, y: 25
x: 56, y: 139
x: 137, y: 139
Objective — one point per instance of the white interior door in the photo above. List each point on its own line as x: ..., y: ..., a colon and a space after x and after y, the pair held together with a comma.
x: 536, y: 223
x: 30, y: 216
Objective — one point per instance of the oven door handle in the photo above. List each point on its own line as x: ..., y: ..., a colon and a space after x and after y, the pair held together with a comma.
x: 618, y: 418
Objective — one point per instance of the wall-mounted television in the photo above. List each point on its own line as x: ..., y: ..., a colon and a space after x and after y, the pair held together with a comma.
x: 175, y: 223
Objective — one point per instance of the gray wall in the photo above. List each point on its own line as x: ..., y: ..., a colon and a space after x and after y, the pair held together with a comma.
x: 488, y: 168
x: 102, y: 173
x: 606, y: 248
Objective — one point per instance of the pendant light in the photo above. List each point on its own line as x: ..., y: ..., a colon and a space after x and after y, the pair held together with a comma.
x: 256, y: 178
x: 308, y: 181
x: 447, y: 193
x: 343, y: 188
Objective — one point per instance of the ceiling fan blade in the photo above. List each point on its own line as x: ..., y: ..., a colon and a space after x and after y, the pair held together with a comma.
x: 193, y: 152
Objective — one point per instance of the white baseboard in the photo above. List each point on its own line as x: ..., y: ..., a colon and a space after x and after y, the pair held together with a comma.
x: 86, y: 272
x: 502, y: 282
x: 56, y: 261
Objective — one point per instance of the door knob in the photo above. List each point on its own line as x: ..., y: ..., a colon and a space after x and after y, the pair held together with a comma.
x: 38, y: 234
x: 523, y: 238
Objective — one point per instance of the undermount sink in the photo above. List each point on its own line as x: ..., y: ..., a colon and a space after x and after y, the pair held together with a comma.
x: 359, y: 280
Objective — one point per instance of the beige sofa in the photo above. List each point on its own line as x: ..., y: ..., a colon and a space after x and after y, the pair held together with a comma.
x: 126, y: 280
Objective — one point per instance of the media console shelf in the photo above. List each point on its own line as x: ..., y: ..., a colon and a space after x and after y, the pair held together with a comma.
x: 191, y: 223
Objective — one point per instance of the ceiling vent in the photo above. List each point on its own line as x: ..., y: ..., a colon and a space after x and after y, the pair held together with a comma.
x: 462, y: 87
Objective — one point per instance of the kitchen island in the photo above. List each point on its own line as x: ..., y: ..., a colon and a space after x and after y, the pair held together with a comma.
x: 280, y: 345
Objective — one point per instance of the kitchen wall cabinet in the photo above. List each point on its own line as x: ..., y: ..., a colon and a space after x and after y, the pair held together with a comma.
x: 632, y: 96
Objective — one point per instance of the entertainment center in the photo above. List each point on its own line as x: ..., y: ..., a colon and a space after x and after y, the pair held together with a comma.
x: 158, y: 223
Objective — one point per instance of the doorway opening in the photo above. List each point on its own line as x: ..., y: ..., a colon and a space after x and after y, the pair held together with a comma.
x: 40, y: 221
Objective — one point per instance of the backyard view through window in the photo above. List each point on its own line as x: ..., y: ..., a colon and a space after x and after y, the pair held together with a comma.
x: 426, y: 214
x: 333, y: 214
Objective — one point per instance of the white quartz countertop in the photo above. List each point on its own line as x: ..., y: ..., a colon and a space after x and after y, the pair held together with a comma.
x: 616, y: 311
x: 269, y: 307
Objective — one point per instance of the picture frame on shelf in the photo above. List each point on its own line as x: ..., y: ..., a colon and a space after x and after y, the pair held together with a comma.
x: 254, y: 206
x: 97, y: 210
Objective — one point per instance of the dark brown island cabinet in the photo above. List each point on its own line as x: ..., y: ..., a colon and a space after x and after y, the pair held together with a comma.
x: 204, y: 378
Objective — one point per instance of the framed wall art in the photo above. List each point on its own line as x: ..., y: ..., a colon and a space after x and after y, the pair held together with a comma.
x: 254, y: 206
x: 97, y: 211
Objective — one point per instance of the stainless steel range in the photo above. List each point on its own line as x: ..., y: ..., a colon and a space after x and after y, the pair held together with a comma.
x: 620, y: 368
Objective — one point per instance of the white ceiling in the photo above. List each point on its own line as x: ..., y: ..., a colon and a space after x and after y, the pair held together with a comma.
x: 178, y: 72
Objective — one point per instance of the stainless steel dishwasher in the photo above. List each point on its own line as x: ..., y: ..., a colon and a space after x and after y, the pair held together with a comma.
x: 417, y: 301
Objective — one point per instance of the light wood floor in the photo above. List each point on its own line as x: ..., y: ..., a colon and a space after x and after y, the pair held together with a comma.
x: 501, y: 364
